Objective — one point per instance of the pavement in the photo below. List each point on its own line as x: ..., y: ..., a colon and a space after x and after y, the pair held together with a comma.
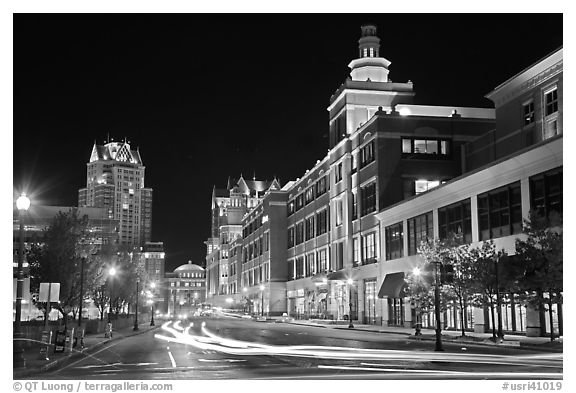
x: 35, y: 365
x: 472, y: 338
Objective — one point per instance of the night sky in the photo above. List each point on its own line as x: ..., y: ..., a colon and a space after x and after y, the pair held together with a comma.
x: 205, y: 97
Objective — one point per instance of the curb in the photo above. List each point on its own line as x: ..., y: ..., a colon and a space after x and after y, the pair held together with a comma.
x: 73, y: 356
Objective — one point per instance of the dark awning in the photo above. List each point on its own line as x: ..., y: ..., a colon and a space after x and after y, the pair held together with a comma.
x: 392, y: 285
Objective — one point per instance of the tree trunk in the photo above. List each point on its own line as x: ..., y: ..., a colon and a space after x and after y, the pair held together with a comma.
x: 493, y: 320
x: 462, y: 325
x: 551, y: 316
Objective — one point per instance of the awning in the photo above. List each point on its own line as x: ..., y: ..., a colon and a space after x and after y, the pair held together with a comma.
x: 392, y: 285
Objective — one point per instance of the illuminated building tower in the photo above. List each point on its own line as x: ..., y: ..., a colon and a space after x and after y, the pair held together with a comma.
x: 115, y: 181
x: 358, y: 98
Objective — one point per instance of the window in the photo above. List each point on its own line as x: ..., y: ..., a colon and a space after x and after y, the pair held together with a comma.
x: 321, y: 262
x: 299, y: 202
x: 310, y: 228
x: 339, y: 212
x: 528, y: 113
x: 354, y: 163
x: 367, y: 154
x: 299, y: 267
x: 394, y: 242
x: 551, y: 101
x: 420, y: 228
x: 300, y: 232
x: 321, y: 186
x: 369, y: 248
x: 339, y: 256
x: 266, y: 241
x: 355, y: 251
x: 290, y: 208
x: 425, y: 146
x: 368, y: 198
x: 290, y: 237
x: 456, y: 218
x: 421, y: 186
x: 309, y: 195
x: 291, y: 270
x: 354, y: 206
x: 546, y: 192
x: 310, y: 268
x: 338, y: 172
x: 321, y: 222
x: 371, y: 52
x: 500, y: 212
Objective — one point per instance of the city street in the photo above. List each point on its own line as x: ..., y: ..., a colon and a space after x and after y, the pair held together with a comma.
x: 225, y: 348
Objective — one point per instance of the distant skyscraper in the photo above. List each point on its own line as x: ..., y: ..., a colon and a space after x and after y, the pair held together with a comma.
x: 115, y: 180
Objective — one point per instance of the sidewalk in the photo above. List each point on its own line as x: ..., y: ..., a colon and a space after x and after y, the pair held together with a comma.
x: 472, y: 338
x: 36, y: 366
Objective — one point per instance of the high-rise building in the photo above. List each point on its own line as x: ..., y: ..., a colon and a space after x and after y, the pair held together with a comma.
x: 115, y: 181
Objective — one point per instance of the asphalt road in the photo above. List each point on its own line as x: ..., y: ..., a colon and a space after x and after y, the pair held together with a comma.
x: 225, y: 348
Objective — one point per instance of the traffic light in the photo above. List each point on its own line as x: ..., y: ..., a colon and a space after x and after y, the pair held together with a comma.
x: 446, y: 274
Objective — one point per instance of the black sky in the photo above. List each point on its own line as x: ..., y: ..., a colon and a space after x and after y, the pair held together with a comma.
x: 208, y: 96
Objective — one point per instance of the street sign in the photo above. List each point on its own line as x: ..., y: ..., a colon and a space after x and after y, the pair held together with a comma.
x: 54, y: 289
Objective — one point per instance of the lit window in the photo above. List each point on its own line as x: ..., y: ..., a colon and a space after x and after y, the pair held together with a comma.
x: 529, y: 113
x: 425, y: 185
x: 371, y: 52
x: 365, y: 52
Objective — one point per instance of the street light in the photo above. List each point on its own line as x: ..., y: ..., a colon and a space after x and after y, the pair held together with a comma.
x: 350, y: 282
x: 111, y: 274
x: 262, y: 306
x: 136, y: 312
x: 418, y: 327
x: 151, y: 295
x: 22, y: 203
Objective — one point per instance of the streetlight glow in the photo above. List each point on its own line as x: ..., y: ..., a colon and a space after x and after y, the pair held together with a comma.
x: 262, y: 287
x: 112, y: 271
x: 416, y: 271
x: 23, y: 202
x: 350, y: 281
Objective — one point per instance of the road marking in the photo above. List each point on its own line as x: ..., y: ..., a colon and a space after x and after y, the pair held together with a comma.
x: 172, y: 359
x: 221, y: 360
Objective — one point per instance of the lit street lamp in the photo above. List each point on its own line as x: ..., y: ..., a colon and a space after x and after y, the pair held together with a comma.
x: 22, y: 203
x: 418, y: 325
x: 136, y: 311
x: 350, y: 282
x: 262, y: 305
x: 111, y: 274
x: 151, y: 295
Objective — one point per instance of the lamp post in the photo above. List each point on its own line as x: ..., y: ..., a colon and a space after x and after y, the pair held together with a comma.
x: 262, y: 304
x: 246, y: 309
x: 22, y: 203
x: 418, y: 325
x: 136, y: 310
x: 152, y: 285
x: 438, y: 347
x: 350, y: 282
x: 111, y: 274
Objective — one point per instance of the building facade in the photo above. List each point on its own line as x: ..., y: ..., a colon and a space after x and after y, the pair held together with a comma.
x: 154, y: 261
x: 395, y: 174
x: 186, y: 289
x: 115, y: 181
x: 229, y: 206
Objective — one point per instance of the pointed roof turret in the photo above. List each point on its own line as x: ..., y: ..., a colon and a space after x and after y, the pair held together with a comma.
x: 369, y: 66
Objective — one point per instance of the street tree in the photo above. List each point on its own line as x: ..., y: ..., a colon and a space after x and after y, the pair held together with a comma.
x: 487, y: 279
x: 540, y: 256
x: 56, y: 260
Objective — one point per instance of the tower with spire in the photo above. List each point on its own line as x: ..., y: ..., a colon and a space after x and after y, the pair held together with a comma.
x: 367, y: 89
x: 115, y: 180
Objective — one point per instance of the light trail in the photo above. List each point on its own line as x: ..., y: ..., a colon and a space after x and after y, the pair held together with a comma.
x: 213, y: 342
